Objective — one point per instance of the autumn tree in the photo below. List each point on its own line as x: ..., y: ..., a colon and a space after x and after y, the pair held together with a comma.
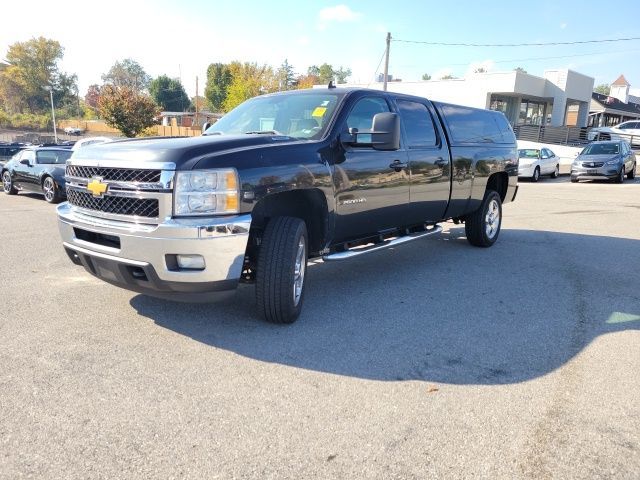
x: 92, y: 96
x: 169, y: 93
x: 127, y: 73
x: 126, y: 109
x: 248, y: 80
x: 218, y: 81
x: 34, y: 66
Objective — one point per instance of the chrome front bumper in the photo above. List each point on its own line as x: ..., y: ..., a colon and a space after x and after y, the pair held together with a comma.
x: 139, y: 257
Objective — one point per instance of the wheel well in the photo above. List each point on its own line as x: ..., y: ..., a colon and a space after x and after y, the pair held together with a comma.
x: 499, y: 182
x: 44, y: 177
x: 309, y: 205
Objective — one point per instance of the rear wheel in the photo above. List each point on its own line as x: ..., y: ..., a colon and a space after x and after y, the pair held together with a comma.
x: 7, y: 184
x: 556, y: 172
x: 536, y: 175
x: 483, y: 226
x: 574, y: 179
x: 282, y: 267
x: 632, y: 173
x: 50, y: 190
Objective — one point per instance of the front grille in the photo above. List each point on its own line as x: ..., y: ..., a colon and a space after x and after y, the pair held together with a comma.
x: 141, y: 207
x: 592, y: 164
x: 114, y: 174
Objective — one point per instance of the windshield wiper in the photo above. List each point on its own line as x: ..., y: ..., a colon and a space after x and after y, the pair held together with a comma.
x: 263, y: 132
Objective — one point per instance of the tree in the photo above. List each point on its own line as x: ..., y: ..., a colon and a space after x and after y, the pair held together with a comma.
x: 603, y: 89
x: 127, y: 73
x: 426, y: 76
x: 92, y: 96
x: 33, y: 66
x: 480, y: 70
x: 326, y: 73
x: 169, y: 94
x: 203, y: 104
x: 448, y: 77
x: 307, y: 81
x: 126, y: 109
x: 248, y: 80
x: 218, y: 81
x: 286, y: 76
x: 519, y: 69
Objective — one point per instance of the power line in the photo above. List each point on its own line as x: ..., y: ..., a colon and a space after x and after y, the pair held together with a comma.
x: 378, y: 67
x: 541, y: 44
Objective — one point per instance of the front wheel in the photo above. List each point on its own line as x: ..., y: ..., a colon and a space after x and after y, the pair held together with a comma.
x: 620, y: 177
x: 632, y: 173
x: 536, y: 175
x: 282, y: 267
x: 556, y: 172
x: 483, y: 226
x: 50, y: 190
x: 7, y: 184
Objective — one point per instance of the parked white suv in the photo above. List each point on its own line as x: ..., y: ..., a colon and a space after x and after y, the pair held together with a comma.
x: 629, y: 131
x: 534, y: 162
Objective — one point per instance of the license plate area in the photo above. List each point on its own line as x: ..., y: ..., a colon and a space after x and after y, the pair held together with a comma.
x: 592, y: 172
x: 102, y: 239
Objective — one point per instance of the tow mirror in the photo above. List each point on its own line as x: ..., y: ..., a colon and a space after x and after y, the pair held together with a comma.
x: 384, y: 133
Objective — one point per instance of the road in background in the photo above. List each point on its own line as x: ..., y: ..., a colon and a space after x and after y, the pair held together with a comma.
x: 432, y: 360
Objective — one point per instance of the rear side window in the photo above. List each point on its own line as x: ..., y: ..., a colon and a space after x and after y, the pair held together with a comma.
x: 471, y: 125
x: 418, y: 124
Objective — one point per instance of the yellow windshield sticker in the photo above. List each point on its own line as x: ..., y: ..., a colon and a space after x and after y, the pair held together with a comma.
x: 319, y: 112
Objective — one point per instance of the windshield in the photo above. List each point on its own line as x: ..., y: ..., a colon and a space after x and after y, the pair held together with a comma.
x: 299, y: 115
x: 528, y: 153
x: 601, y: 149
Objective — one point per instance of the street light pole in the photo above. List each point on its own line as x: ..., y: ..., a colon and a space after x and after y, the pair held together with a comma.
x: 53, y: 114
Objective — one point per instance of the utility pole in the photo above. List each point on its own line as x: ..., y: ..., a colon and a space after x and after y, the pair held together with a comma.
x: 196, y: 122
x: 53, y: 113
x: 386, y: 62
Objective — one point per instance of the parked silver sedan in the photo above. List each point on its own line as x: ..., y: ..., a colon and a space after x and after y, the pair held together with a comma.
x: 612, y: 160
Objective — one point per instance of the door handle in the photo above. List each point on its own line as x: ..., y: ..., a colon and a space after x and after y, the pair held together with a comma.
x: 397, y: 165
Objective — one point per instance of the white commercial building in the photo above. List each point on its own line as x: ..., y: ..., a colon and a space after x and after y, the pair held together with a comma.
x: 561, y: 97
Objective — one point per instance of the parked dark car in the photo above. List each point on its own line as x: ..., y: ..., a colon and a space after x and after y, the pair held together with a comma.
x: 612, y: 160
x: 8, y: 150
x: 37, y: 169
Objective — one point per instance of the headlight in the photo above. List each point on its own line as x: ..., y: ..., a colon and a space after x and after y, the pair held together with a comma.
x: 212, y: 192
x: 614, y: 162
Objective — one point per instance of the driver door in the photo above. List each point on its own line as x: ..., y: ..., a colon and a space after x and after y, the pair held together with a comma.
x: 371, y: 186
x: 23, y: 167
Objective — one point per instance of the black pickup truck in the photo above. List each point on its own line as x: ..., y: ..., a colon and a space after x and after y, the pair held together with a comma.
x: 330, y: 173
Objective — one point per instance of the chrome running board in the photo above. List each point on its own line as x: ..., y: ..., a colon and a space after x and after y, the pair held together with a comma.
x: 354, y: 252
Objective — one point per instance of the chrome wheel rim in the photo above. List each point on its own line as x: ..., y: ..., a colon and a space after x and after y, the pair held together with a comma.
x: 6, y: 182
x: 299, y: 271
x: 49, y: 189
x: 536, y: 175
x: 492, y: 219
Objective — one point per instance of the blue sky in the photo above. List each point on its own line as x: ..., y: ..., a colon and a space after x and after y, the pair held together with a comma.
x: 182, y: 38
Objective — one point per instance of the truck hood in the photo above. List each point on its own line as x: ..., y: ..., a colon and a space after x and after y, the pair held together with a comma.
x: 183, y: 152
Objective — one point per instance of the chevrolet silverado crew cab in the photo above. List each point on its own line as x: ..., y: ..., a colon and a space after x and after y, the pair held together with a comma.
x: 330, y: 173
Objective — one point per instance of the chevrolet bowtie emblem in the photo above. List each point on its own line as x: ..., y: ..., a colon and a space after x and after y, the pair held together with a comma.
x: 96, y: 187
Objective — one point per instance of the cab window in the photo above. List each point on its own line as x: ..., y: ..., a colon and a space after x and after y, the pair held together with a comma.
x: 362, y: 113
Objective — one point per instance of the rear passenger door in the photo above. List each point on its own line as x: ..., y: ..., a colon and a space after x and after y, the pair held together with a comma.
x: 429, y: 161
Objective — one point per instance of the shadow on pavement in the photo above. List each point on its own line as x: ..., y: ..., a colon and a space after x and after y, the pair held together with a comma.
x: 437, y: 310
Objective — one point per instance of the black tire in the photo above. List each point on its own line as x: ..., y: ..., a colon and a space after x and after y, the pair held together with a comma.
x: 620, y: 177
x: 50, y: 190
x: 632, y: 173
x: 536, y: 175
x: 7, y: 184
x: 556, y: 172
x: 574, y: 179
x: 279, y: 287
x: 480, y: 226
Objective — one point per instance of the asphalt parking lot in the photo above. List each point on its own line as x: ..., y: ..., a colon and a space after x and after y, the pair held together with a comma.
x: 433, y: 360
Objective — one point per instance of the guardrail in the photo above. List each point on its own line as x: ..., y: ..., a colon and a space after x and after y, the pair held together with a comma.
x: 572, y: 136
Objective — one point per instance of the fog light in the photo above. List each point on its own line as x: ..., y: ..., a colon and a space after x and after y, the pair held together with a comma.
x: 190, y: 262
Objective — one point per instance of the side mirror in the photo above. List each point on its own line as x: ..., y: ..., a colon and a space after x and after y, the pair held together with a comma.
x: 384, y: 133
x: 25, y: 161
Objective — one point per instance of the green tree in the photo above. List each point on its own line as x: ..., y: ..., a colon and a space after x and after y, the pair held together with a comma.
x: 127, y: 109
x: 169, y: 94
x: 218, y: 81
x: 327, y: 73
x: 426, y: 76
x: 603, y: 88
x: 286, y: 76
x: 248, y: 80
x: 480, y: 70
x: 33, y: 66
x: 519, y: 69
x: 448, y: 76
x: 127, y: 73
